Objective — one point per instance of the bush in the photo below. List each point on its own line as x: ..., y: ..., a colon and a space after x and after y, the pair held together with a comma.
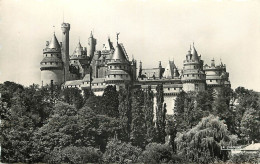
x: 121, y: 152
x: 72, y: 154
x: 244, y: 158
x: 156, y: 153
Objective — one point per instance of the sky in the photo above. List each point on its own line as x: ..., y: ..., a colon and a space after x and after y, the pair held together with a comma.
x: 151, y: 31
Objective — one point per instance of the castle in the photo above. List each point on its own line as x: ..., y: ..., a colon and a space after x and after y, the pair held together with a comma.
x: 88, y: 68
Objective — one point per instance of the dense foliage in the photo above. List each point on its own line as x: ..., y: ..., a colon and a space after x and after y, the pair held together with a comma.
x: 51, y: 125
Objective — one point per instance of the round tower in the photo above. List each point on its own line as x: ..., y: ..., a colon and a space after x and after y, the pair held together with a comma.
x: 216, y: 76
x: 51, y: 64
x: 119, y: 67
x: 65, y: 28
x: 92, y: 45
x: 193, y: 77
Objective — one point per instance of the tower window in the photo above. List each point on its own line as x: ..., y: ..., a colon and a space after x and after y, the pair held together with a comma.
x: 174, y: 88
x: 187, y: 75
x: 114, y: 75
x: 51, y: 55
x: 46, y: 55
x: 168, y: 89
x: 51, y: 63
x: 210, y: 80
x: 192, y: 75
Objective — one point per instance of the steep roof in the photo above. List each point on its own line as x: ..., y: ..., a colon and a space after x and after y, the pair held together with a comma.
x: 54, y: 42
x: 79, y: 50
x: 169, y: 70
x: 108, y: 46
x: 119, y: 53
x: 51, y: 59
x: 194, y: 53
x: 152, y: 72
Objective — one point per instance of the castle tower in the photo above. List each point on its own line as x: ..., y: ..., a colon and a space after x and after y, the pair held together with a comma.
x: 92, y: 45
x: 193, y: 77
x: 52, y: 65
x: 65, y: 28
x: 80, y: 60
x: 119, y: 67
x: 216, y: 76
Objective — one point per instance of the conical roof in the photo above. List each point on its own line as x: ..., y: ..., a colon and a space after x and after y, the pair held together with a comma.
x: 119, y: 53
x: 79, y: 50
x: 108, y: 45
x: 194, y: 53
x: 54, y: 42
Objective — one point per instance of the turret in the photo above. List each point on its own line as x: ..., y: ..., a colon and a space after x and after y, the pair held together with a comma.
x: 193, y: 76
x: 80, y: 60
x: 65, y: 28
x: 212, y: 63
x: 118, y: 67
x: 51, y: 64
x: 92, y: 45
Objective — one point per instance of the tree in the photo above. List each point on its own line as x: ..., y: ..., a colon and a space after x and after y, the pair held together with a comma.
x: 96, y: 104
x: 72, y: 154
x: 125, y: 117
x: 158, y: 153
x: 121, y: 152
x: 221, y: 108
x: 149, y: 115
x: 245, y: 158
x: 203, y: 143
x: 69, y: 126
x: 28, y: 110
x: 250, y: 124
x: 73, y: 96
x: 160, y: 115
x: 246, y: 101
x: 137, y: 136
x: 110, y: 101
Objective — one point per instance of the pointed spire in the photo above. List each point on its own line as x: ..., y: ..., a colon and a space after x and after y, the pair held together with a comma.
x: 119, y: 53
x: 194, y: 53
x: 91, y: 35
x: 54, y: 42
